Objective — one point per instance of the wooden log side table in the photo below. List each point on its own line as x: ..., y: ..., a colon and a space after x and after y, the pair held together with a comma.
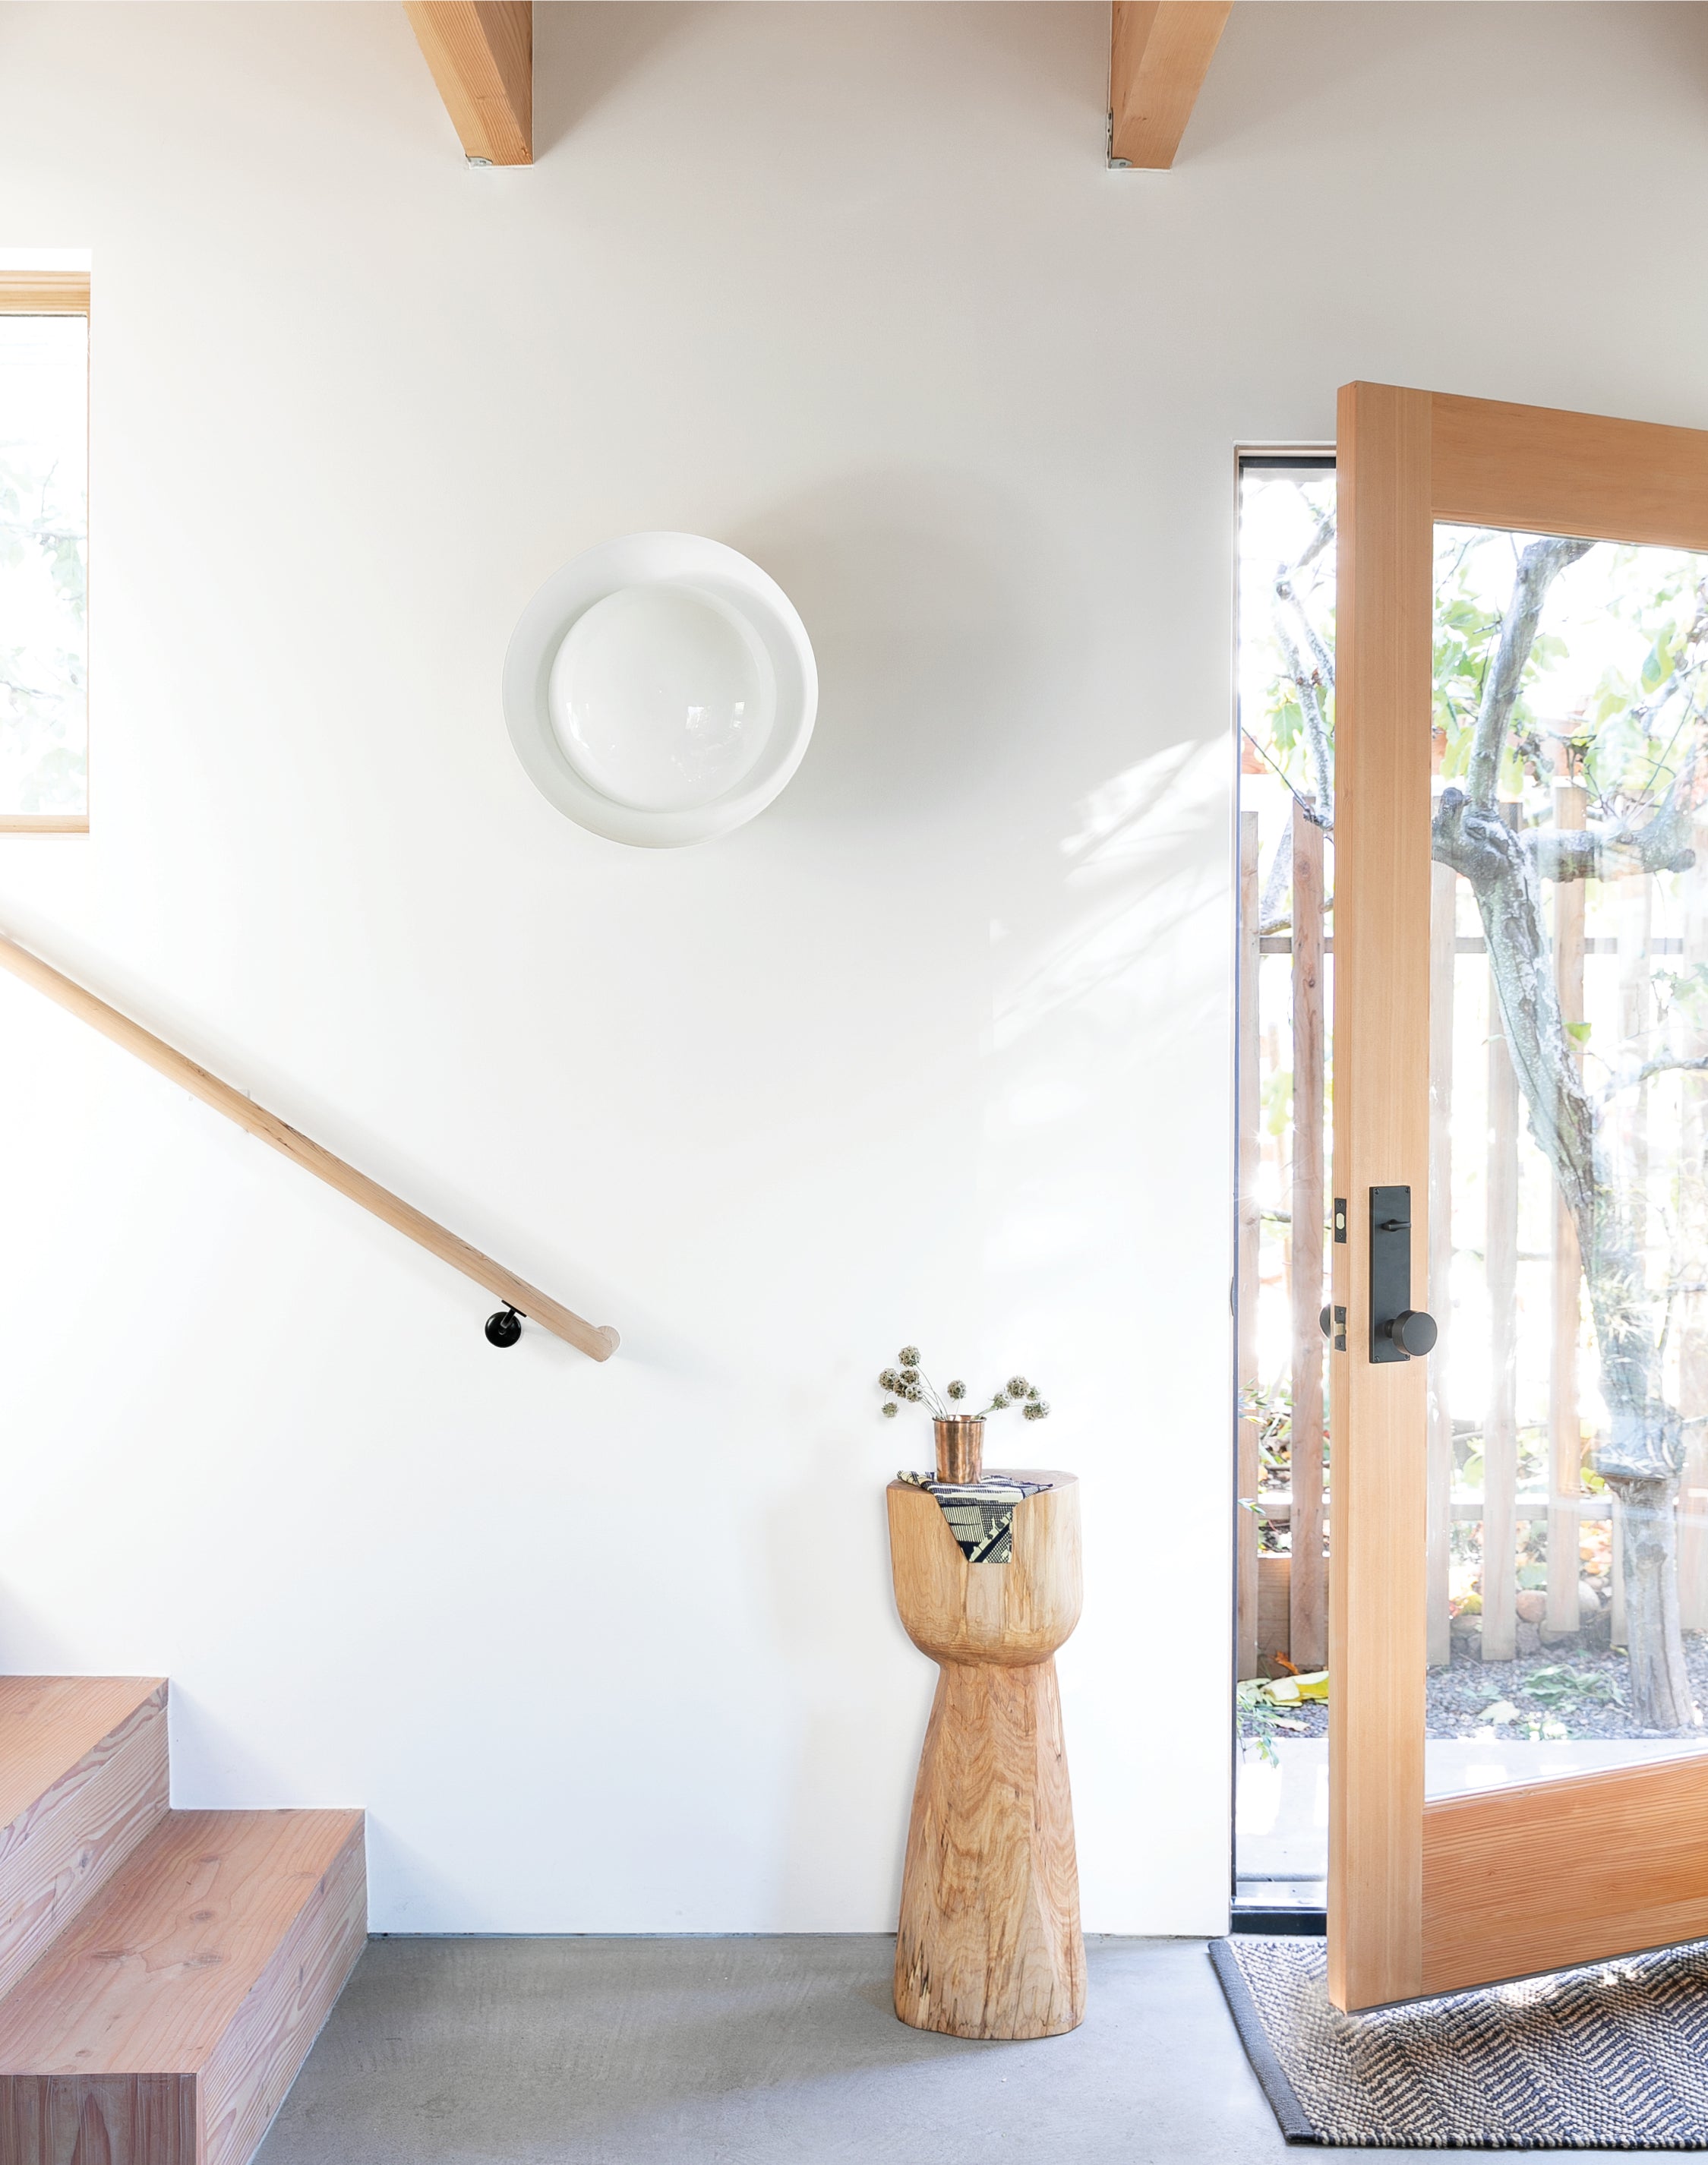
x: 990, y: 1943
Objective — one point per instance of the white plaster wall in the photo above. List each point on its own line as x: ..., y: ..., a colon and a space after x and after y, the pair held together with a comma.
x: 938, y: 1048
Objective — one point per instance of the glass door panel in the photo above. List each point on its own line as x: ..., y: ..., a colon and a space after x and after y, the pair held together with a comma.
x: 1567, y: 1566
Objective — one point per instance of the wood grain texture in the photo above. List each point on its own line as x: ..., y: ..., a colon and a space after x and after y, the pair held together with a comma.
x: 1542, y: 472
x: 166, y: 2024
x: 83, y: 1779
x: 1377, y: 1619
x: 109, y: 2119
x: 481, y: 53
x: 989, y: 1942
x: 1545, y: 1874
x: 44, y: 292
x: 1160, y: 52
x: 599, y: 1341
x: 1009, y: 1614
x: 256, y: 2062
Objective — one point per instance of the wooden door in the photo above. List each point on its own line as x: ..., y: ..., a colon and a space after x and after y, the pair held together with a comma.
x: 1433, y: 1894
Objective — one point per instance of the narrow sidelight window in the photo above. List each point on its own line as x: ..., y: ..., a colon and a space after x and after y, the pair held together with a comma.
x: 44, y: 551
x: 1283, y: 1528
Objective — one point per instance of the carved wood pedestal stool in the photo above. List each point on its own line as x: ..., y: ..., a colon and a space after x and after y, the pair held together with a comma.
x: 990, y: 1943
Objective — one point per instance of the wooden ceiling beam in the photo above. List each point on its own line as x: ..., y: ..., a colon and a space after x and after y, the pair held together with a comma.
x: 481, y: 55
x: 1159, y: 55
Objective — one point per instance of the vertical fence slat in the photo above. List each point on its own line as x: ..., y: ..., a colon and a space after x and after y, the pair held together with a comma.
x: 1250, y: 1104
x: 1636, y: 900
x: 1565, y: 1427
x: 1636, y: 911
x: 1308, y: 1617
x: 1443, y: 905
x: 1692, y: 1306
x: 1501, y: 1417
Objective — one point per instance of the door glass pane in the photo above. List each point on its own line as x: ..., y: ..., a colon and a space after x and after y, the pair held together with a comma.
x: 1286, y: 789
x: 1568, y: 1271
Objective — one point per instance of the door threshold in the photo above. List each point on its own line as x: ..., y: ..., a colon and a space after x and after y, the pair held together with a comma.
x: 1278, y: 1907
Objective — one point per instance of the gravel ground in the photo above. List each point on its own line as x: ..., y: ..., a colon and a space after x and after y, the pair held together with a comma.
x: 1581, y: 1689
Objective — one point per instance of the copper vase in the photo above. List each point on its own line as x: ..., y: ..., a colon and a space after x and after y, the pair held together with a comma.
x: 960, y: 1447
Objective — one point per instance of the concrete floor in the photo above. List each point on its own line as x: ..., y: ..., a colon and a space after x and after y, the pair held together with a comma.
x: 768, y: 2052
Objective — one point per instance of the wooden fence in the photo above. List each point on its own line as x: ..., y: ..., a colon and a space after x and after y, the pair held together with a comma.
x: 1306, y: 1509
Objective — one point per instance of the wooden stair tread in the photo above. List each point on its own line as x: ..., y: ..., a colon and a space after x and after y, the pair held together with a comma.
x: 48, y: 1724
x: 151, y: 1975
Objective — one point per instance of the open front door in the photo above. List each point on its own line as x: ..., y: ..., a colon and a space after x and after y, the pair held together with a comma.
x: 1521, y: 1045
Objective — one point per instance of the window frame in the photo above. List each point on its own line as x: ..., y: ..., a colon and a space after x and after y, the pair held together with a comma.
x: 55, y: 293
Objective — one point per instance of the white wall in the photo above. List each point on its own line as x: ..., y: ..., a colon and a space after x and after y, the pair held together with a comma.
x: 936, y: 1049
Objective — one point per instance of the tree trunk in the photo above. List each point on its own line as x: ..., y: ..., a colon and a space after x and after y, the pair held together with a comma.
x: 1642, y: 1451
x: 1660, y: 1686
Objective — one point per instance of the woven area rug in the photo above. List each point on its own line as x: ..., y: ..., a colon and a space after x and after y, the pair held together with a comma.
x: 1610, y: 2058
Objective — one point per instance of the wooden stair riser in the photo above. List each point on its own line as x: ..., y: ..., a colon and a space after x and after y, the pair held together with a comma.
x: 116, y: 2119
x: 92, y: 1752
x: 166, y: 2025
x: 257, y: 2059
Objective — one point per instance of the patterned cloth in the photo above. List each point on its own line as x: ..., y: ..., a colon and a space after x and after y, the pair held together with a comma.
x: 980, y: 1513
x: 1614, y: 2056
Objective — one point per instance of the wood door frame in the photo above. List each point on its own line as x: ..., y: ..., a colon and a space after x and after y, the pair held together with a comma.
x: 1421, y: 1898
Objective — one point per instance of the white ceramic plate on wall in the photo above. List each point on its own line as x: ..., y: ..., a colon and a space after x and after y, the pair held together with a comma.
x: 660, y: 689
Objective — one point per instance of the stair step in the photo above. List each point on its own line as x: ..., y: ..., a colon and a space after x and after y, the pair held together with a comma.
x: 82, y: 1780
x: 166, y: 2024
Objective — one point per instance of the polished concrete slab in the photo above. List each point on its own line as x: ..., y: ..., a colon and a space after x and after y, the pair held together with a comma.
x: 766, y: 2051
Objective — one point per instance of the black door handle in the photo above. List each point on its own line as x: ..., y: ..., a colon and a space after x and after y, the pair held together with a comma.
x: 1413, y: 1331
x: 1398, y: 1331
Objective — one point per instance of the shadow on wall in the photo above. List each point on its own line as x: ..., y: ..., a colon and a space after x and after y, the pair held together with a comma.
x: 916, y: 590
x: 583, y: 55
x: 859, y: 1693
x: 1051, y: 61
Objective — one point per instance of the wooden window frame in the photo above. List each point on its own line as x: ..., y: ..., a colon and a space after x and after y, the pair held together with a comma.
x: 50, y: 293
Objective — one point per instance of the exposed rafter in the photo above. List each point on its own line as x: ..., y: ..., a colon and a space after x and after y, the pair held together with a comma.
x: 1159, y: 55
x: 481, y: 55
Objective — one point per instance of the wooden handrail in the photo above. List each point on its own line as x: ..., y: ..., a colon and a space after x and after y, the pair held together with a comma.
x: 597, y: 1338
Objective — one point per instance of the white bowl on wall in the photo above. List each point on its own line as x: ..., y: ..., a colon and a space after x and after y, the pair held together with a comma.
x: 660, y: 689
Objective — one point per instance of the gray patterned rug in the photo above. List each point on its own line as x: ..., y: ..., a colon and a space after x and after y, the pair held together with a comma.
x: 1610, y: 2058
